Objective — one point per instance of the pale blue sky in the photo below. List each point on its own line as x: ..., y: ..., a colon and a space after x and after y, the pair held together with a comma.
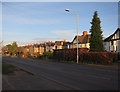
x: 37, y: 22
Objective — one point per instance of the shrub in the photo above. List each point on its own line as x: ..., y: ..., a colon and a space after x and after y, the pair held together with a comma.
x: 85, y: 56
x: 48, y: 55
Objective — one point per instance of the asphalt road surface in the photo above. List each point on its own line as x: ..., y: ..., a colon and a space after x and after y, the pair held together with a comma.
x: 62, y: 76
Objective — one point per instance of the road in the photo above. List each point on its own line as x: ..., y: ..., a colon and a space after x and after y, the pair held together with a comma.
x: 64, y: 76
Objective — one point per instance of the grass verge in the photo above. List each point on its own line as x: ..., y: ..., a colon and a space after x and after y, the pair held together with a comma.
x: 7, y: 68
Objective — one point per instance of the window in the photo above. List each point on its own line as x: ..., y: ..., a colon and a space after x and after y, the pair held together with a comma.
x: 112, y: 42
x: 55, y: 47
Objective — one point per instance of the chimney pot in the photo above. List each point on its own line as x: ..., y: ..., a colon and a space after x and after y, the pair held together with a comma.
x: 84, y: 33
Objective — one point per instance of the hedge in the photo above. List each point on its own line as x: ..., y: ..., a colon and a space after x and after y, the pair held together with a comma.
x: 85, y: 56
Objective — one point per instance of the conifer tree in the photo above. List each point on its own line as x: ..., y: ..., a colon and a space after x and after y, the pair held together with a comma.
x: 96, y: 40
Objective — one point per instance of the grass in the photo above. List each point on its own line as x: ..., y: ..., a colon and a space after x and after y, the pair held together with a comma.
x: 7, y: 69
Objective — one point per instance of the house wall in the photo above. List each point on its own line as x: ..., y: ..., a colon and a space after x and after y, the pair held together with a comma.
x: 59, y: 47
x: 115, y: 47
x: 40, y: 48
x: 31, y: 50
x: 71, y: 46
x: 107, y: 46
x: 68, y: 46
x: 118, y: 46
x: 53, y: 47
x: 35, y: 50
x: 47, y: 48
x: 117, y: 35
x: 27, y: 49
x: 86, y: 45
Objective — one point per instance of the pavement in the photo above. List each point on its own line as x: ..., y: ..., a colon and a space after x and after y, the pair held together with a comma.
x: 44, y: 75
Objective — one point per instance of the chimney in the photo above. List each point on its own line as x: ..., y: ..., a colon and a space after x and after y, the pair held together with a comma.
x: 84, y: 33
x: 64, y: 39
x: 61, y: 42
x: 45, y: 43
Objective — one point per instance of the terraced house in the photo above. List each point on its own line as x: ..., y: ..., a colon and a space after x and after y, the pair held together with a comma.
x: 36, y: 48
x: 61, y: 44
x: 31, y: 50
x: 49, y: 46
x: 112, y: 43
x: 83, y: 41
x: 41, y: 48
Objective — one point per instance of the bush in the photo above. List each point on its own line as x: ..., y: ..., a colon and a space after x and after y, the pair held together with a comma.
x: 48, y: 55
x: 40, y: 56
x: 85, y: 56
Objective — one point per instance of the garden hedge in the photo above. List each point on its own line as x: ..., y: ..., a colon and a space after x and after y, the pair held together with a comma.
x: 86, y: 56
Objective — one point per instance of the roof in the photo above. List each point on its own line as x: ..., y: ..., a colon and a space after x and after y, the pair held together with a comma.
x: 58, y: 42
x: 42, y: 44
x: 49, y: 43
x: 83, y: 39
x: 110, y: 37
x: 64, y: 43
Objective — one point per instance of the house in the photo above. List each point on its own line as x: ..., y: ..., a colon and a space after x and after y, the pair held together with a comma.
x: 112, y: 43
x: 61, y: 44
x: 83, y: 41
x: 49, y: 46
x: 31, y: 50
x: 41, y: 48
x: 36, y: 48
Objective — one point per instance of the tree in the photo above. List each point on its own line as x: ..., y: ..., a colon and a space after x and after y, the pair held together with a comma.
x: 96, y: 40
x: 12, y: 48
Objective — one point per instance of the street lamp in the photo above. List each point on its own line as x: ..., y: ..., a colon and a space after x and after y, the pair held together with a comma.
x: 77, y: 33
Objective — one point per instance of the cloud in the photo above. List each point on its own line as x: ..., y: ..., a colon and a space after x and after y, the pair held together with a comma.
x: 20, y: 43
x: 43, y: 39
x: 23, y: 20
x: 67, y: 33
x: 10, y: 33
x: 31, y: 41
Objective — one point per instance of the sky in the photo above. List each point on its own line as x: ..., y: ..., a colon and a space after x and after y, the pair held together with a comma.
x: 36, y: 22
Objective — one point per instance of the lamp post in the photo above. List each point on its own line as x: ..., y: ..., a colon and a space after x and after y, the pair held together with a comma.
x: 77, y: 34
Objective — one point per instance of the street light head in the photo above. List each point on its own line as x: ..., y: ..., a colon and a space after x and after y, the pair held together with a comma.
x: 67, y: 10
